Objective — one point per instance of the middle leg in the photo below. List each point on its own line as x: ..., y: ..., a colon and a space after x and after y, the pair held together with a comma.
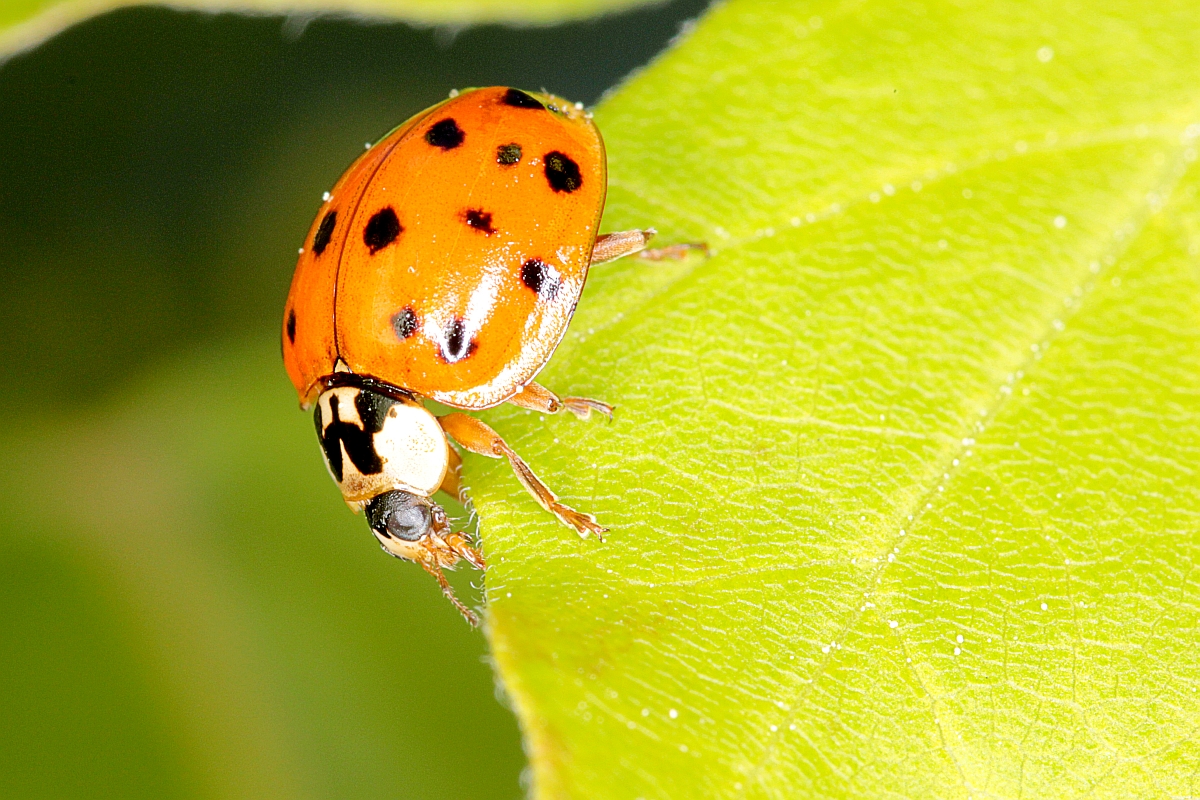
x: 538, y: 398
x: 479, y: 438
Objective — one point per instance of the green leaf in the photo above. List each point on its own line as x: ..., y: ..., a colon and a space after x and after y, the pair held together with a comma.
x: 902, y: 483
x: 25, y: 23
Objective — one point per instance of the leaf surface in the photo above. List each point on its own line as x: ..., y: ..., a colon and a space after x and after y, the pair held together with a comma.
x: 902, y: 481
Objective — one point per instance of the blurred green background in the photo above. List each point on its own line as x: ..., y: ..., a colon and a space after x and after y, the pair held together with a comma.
x: 189, y: 609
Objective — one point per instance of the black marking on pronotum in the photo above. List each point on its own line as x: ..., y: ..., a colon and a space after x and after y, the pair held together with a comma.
x: 358, y: 441
x: 324, y: 232
x: 508, y: 154
x: 373, y: 410
x: 479, y: 220
x: 382, y: 229
x: 457, y: 347
x: 291, y: 326
x: 405, y: 323
x: 537, y: 276
x: 445, y: 134
x: 518, y: 99
x: 562, y: 172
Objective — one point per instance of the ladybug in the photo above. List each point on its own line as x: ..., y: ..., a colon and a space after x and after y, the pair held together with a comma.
x: 445, y: 264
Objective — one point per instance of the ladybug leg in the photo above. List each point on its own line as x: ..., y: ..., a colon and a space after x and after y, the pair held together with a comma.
x: 673, y: 251
x: 448, y: 547
x: 452, y: 483
x: 441, y: 548
x: 438, y: 550
x: 611, y: 246
x: 431, y: 566
x: 459, y: 545
x: 479, y: 438
x: 538, y: 398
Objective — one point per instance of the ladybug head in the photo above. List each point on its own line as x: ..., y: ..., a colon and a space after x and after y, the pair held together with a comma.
x: 404, y: 516
x: 410, y: 526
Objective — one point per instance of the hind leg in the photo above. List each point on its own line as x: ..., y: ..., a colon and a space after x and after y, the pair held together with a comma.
x: 611, y: 246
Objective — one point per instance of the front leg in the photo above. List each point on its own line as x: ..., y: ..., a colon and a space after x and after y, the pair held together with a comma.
x: 479, y: 438
x: 538, y: 398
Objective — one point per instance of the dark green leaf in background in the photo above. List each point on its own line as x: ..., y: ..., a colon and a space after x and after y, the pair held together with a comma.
x: 25, y: 23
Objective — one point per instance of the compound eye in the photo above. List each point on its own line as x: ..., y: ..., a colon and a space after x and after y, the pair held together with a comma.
x: 400, y: 515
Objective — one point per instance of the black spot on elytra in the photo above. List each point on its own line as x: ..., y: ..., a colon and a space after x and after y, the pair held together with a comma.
x: 445, y: 134
x: 456, y: 347
x: 324, y: 232
x: 537, y: 276
x: 359, y: 442
x: 479, y: 220
x: 382, y: 229
x: 518, y: 99
x: 508, y: 154
x: 405, y: 322
x: 291, y: 326
x: 562, y: 172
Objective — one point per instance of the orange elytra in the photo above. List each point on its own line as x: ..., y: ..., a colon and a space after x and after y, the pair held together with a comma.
x: 446, y: 263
